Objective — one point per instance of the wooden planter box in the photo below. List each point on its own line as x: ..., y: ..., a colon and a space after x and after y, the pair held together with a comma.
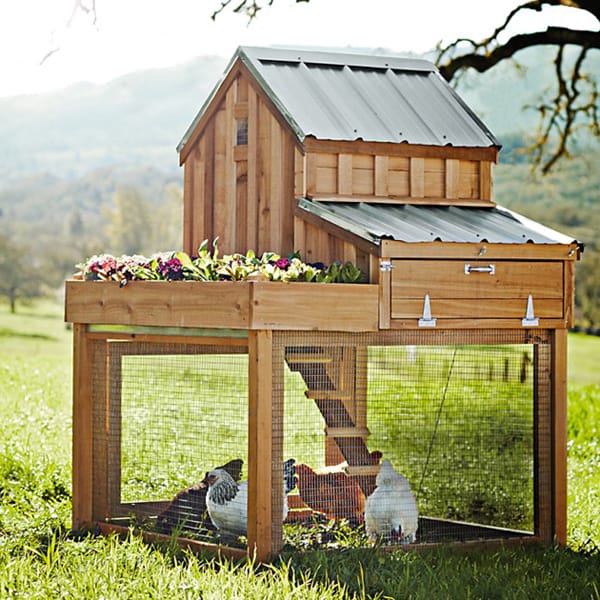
x: 224, y: 304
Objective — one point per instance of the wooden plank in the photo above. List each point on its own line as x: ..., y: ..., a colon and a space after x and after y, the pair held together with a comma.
x: 276, y: 196
x: 310, y: 306
x: 188, y: 207
x: 260, y: 459
x: 471, y: 324
x: 470, y: 251
x: 447, y: 279
x: 417, y: 177
x: 265, y: 173
x: 344, y: 175
x: 252, y: 186
x: 288, y: 201
x: 110, y: 493
x: 83, y: 427
x: 468, y: 184
x: 363, y: 177
x: 452, y: 178
x: 385, y: 295
x: 434, y: 178
x: 569, y: 295
x: 176, y: 303
x: 412, y: 308
x: 311, y: 173
x: 240, y: 110
x: 381, y: 175
x: 392, y: 149
x: 299, y: 180
x: 559, y: 435
x: 486, y: 181
x: 205, y: 222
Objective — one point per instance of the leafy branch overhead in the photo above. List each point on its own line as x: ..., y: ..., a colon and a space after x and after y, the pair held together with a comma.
x: 572, y: 106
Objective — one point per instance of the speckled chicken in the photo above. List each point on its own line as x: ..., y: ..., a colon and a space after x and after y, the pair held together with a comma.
x: 391, y: 510
x: 227, y: 500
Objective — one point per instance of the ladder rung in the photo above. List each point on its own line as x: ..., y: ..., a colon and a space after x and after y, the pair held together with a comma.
x: 347, y: 432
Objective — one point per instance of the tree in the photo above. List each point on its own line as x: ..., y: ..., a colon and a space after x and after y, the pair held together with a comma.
x: 19, y: 274
x: 129, y: 223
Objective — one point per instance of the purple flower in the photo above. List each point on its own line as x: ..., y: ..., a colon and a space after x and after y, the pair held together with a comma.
x: 171, y: 269
x: 282, y: 263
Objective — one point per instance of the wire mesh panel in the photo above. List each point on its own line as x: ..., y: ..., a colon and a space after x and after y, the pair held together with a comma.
x: 172, y: 413
x: 415, y: 437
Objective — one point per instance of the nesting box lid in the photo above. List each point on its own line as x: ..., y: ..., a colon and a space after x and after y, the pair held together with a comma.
x: 348, y: 97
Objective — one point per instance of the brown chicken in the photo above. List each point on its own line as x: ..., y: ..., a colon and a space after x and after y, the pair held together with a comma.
x: 333, y: 494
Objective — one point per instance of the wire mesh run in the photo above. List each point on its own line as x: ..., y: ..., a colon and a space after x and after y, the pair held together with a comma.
x: 395, y: 438
x: 402, y: 443
x: 173, y: 413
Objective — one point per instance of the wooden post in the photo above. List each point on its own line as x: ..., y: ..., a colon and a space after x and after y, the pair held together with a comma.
x: 260, y: 455
x: 559, y: 435
x: 82, y: 515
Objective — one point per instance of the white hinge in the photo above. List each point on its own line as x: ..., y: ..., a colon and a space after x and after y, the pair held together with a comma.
x: 530, y: 319
x: 427, y: 320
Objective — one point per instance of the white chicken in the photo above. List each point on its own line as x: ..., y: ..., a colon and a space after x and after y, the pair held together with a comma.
x: 227, y: 500
x: 391, y: 510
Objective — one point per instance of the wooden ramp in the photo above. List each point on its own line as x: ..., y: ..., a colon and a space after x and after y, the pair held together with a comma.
x: 336, y: 379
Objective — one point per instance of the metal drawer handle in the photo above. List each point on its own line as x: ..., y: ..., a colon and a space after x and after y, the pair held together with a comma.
x: 491, y: 269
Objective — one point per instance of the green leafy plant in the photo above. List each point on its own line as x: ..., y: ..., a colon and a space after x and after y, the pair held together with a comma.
x: 209, y: 266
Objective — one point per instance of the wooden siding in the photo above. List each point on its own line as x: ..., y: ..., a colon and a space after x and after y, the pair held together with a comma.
x: 388, y: 178
x: 242, y: 194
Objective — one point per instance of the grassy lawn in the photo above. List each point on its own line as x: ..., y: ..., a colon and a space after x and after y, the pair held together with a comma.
x: 40, y: 558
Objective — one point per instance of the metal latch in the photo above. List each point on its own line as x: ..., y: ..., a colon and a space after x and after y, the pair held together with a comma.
x: 386, y: 265
x: 491, y: 269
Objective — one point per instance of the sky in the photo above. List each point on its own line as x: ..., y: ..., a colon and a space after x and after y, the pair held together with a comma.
x: 131, y: 35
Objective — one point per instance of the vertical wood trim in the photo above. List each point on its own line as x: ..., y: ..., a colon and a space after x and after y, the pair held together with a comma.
x: 559, y: 435
x: 569, y: 292
x: 344, y: 184
x: 265, y: 173
x: 299, y: 180
x: 385, y: 296
x: 260, y: 459
x: 276, y: 186
x: 381, y: 175
x: 452, y: 178
x: 485, y: 180
x: 83, y: 472
x: 311, y: 173
x: 112, y: 497
x: 288, y: 202
x: 252, y: 204
x: 188, y: 206
x: 300, y: 236
x: 417, y: 177
x: 205, y: 190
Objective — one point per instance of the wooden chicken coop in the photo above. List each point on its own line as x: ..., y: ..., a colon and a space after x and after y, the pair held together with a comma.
x: 449, y: 360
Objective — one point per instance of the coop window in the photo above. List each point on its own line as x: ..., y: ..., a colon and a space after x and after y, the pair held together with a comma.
x: 241, y: 137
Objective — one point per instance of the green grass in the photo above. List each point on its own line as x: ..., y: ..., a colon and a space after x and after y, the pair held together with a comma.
x: 41, y: 558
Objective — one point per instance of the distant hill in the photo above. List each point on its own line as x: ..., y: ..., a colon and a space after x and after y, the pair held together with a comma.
x: 135, y: 120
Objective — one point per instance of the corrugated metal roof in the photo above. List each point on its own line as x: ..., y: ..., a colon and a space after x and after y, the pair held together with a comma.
x: 345, y: 96
x: 423, y: 223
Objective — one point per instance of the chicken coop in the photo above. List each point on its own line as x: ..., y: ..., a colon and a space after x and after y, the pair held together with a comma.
x: 424, y: 405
